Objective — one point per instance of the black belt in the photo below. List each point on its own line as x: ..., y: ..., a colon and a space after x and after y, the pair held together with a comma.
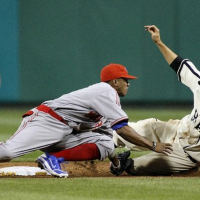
x: 192, y: 159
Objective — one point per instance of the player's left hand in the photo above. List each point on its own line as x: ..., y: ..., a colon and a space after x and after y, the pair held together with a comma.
x: 124, y: 161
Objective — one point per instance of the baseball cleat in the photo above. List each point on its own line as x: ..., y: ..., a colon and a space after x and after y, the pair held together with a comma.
x: 51, y: 164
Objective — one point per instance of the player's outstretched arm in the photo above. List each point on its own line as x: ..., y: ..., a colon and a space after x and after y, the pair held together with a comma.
x: 168, y: 54
x: 130, y: 135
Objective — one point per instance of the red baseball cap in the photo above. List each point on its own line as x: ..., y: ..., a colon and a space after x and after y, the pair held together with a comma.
x: 114, y: 71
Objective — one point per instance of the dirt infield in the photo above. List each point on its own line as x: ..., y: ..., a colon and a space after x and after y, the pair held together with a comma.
x: 85, y: 169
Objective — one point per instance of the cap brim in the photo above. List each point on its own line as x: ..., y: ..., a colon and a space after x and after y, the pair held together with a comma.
x: 129, y: 77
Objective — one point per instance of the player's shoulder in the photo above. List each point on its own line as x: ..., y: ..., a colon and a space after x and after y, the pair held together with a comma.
x: 102, y: 89
x: 102, y: 86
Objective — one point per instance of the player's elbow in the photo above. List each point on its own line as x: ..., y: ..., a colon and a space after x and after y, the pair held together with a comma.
x: 123, y: 130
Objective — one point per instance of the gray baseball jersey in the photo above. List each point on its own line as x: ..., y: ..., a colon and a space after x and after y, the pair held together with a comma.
x: 89, y: 108
x: 88, y: 113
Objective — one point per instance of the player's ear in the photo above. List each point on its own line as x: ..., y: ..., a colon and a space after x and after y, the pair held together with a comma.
x: 113, y: 83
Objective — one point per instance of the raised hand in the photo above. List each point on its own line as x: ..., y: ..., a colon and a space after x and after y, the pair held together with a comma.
x: 155, y: 33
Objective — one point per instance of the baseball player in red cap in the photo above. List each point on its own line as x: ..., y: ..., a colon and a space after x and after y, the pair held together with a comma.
x: 79, y: 126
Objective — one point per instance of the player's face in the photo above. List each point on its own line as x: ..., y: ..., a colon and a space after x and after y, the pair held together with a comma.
x: 122, y: 88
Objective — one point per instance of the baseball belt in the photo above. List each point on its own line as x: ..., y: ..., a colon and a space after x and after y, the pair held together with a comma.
x: 48, y: 110
x: 192, y: 159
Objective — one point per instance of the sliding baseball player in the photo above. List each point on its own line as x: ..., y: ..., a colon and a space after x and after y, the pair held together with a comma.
x: 183, y: 134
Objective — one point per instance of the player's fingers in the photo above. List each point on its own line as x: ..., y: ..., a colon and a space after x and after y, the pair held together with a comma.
x: 168, y: 151
x: 151, y: 28
x: 169, y: 146
x: 147, y: 28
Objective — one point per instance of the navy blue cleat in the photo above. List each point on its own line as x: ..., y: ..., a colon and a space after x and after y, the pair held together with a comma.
x: 52, y: 165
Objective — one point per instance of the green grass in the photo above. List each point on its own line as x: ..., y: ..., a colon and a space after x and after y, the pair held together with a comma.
x: 163, y: 114
x: 141, y: 188
x: 137, y: 188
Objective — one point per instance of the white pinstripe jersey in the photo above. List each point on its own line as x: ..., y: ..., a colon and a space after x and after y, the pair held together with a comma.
x: 189, y: 127
x: 90, y: 108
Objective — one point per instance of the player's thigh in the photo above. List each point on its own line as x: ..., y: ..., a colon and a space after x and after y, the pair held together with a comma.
x: 104, y: 143
x: 160, y: 164
x: 33, y: 134
x: 150, y: 128
x: 157, y: 130
x: 72, y: 140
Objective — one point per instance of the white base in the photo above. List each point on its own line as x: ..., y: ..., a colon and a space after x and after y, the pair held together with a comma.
x: 22, y: 171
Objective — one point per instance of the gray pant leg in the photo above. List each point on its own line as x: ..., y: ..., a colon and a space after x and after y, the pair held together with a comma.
x: 104, y: 143
x: 37, y: 131
x: 160, y: 164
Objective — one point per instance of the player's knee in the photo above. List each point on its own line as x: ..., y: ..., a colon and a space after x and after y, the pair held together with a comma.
x: 134, y: 171
x: 5, y: 154
x: 106, y: 146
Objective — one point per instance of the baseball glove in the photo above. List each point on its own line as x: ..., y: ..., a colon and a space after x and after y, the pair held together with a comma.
x: 124, y: 163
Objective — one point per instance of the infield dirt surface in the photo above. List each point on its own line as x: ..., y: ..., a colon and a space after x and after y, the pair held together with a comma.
x: 85, y: 169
